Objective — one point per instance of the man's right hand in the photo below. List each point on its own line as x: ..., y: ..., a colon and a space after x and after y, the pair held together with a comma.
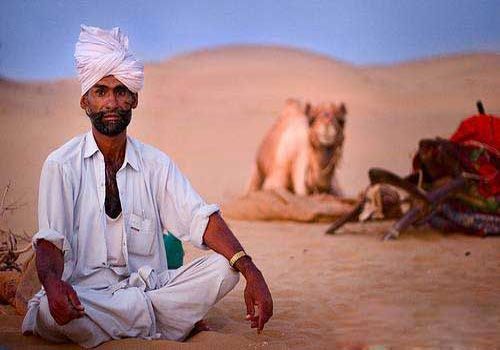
x: 64, y: 304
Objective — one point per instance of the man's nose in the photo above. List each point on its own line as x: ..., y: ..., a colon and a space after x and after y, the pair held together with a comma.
x: 111, y: 101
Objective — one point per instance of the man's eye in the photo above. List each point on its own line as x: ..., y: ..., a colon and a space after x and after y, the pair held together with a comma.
x: 122, y: 92
x: 100, y: 93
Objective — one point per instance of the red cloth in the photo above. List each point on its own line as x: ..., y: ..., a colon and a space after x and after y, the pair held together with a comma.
x: 483, y: 131
x: 481, y: 128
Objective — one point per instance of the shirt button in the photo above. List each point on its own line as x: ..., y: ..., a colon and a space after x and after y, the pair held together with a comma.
x: 103, y: 264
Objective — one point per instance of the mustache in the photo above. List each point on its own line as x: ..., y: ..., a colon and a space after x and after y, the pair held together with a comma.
x: 117, y: 111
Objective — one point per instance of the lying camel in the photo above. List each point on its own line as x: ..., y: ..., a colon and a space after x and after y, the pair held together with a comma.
x: 302, y: 150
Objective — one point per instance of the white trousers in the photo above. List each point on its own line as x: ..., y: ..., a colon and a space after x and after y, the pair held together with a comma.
x: 145, y: 305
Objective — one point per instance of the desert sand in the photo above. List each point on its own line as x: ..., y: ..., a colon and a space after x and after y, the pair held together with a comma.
x: 209, y: 110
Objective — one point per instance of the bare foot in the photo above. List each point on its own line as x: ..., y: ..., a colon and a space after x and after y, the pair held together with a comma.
x: 199, y: 326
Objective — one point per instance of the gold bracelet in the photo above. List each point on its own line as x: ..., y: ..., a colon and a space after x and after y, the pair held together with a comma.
x: 237, y: 257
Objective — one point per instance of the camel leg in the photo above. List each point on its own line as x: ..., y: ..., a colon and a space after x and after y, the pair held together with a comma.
x: 299, y: 175
x: 256, y: 180
x: 275, y: 180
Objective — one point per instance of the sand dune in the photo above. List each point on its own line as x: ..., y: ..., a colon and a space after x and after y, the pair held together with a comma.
x: 209, y: 111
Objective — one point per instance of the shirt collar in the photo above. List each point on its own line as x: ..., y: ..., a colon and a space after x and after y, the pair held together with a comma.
x: 131, y: 155
x: 90, y: 145
x: 130, y: 152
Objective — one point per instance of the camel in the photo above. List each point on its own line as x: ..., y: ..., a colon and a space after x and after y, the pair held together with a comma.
x: 302, y: 150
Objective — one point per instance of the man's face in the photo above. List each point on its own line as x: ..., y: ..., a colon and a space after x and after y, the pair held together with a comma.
x: 109, y: 106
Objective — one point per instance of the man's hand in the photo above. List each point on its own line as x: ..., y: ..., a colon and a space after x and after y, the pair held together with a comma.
x: 256, y: 294
x: 219, y: 237
x: 64, y: 304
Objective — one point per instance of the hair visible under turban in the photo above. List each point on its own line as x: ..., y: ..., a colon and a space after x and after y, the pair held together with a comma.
x: 100, y: 52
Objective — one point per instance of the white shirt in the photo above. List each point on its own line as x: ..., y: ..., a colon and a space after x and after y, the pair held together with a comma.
x: 154, y: 195
x: 114, y: 241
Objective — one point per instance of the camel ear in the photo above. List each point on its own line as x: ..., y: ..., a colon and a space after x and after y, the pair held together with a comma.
x: 307, y: 109
x: 341, y: 111
x: 309, y: 113
x: 340, y: 114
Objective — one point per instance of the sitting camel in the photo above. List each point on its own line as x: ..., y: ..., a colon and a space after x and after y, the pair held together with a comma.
x: 302, y: 150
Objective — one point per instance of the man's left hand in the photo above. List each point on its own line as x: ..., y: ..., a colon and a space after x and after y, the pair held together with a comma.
x: 257, y: 296
x: 219, y: 237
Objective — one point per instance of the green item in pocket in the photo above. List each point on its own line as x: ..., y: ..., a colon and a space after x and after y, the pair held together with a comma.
x: 174, y: 251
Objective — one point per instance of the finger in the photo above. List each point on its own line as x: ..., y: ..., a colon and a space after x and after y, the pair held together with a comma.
x: 57, y: 311
x: 252, y: 318
x: 75, y: 302
x: 79, y: 308
x: 59, y: 320
x: 261, y: 324
x: 62, y: 319
x: 262, y: 321
x: 250, y: 308
x: 71, y: 311
x: 264, y: 316
x: 255, y: 319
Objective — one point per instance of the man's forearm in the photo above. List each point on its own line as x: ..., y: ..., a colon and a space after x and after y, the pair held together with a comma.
x: 49, y: 262
x: 64, y: 304
x: 221, y: 239
x: 257, y: 295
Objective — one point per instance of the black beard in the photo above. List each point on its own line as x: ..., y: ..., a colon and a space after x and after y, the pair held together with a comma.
x: 110, y: 128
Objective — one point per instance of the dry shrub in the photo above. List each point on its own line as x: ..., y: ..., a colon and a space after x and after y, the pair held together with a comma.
x: 17, y: 283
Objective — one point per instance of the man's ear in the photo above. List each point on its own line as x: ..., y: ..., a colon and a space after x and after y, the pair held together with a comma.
x: 135, y: 101
x: 84, y: 102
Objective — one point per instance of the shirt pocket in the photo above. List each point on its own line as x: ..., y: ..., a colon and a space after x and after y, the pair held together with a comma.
x: 141, y: 235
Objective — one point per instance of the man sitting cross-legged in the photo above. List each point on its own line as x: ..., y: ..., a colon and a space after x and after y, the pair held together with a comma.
x: 105, y: 200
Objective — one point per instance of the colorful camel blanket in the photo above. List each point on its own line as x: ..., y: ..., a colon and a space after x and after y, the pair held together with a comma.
x: 475, y: 210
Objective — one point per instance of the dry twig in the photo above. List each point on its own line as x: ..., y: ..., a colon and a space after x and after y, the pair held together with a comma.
x: 9, y: 253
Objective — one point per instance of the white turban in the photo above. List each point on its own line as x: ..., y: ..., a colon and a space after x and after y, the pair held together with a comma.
x: 100, y: 53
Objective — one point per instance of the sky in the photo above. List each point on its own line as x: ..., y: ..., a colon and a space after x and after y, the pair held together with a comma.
x: 37, y: 38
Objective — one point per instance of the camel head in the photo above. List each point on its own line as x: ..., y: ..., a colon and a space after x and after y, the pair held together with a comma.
x: 326, y: 124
